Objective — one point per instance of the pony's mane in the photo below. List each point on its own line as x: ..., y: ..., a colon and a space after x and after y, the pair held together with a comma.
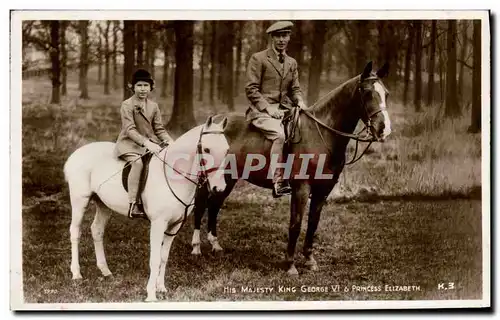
x: 187, y: 140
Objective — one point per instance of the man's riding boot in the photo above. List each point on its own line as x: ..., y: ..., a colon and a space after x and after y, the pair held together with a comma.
x: 135, y: 208
x: 280, y: 185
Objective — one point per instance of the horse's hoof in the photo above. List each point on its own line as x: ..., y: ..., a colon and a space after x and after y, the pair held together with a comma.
x: 217, y: 248
x: 151, y: 299
x: 312, y: 265
x: 292, y: 271
x: 196, y: 250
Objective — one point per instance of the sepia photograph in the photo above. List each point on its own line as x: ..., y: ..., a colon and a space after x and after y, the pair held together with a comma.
x: 250, y: 160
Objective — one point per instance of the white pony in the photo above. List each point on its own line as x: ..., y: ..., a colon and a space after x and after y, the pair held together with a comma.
x: 167, y: 196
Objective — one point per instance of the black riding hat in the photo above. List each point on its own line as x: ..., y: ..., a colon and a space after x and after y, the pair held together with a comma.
x: 142, y: 75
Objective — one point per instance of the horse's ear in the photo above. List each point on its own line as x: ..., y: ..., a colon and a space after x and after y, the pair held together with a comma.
x: 224, y: 123
x: 368, y: 70
x: 384, y: 71
x: 209, y: 121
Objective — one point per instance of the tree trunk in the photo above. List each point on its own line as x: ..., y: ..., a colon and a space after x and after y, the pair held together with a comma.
x: 418, y: 65
x: 116, y: 26
x: 56, y: 63
x: 213, y: 62
x: 204, y: 44
x: 84, y: 58
x: 182, y: 114
x: 239, y: 47
x: 140, y: 44
x: 128, y: 55
x: 166, y: 62
x: 476, y: 79
x: 107, y: 57
x: 296, y: 45
x: 432, y: 64
x: 451, y: 104
x: 316, y: 55
x: 463, y: 51
x: 229, y: 66
x: 409, y: 51
x: 150, y: 48
x: 264, y: 38
x: 362, y: 37
x: 99, y: 56
x: 391, y: 40
x: 64, y: 58
x: 221, y: 29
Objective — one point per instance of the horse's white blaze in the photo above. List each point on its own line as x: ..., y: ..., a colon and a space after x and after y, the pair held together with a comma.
x: 93, y: 169
x: 387, y: 125
x: 387, y: 121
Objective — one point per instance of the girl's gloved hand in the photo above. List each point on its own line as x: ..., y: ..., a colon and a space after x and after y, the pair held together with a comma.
x: 153, y: 147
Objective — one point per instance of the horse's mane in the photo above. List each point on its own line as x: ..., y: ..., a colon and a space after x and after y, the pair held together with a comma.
x: 328, y: 100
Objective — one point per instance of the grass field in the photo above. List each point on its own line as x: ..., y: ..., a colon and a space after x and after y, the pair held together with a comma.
x: 408, y: 213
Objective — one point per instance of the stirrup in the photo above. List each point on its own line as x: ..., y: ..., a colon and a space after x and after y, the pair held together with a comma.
x: 281, y: 188
x: 134, y: 211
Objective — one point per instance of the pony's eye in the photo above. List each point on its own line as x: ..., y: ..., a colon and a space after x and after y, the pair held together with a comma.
x: 206, y: 150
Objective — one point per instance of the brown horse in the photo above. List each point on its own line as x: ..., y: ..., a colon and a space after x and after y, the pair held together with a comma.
x: 322, y: 133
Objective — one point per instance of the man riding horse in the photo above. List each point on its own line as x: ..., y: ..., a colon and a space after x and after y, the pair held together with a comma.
x: 273, y: 87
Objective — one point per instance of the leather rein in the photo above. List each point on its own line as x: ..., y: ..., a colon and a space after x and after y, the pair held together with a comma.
x: 370, y: 138
x: 201, y: 180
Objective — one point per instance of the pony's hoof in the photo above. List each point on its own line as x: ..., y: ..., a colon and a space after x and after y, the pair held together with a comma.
x: 292, y: 271
x: 196, y: 250
x: 151, y: 299
x: 106, y: 273
x: 161, y: 289
x: 77, y: 276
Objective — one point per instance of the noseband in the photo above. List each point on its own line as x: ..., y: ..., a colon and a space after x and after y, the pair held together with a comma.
x: 201, y: 180
x: 369, y: 115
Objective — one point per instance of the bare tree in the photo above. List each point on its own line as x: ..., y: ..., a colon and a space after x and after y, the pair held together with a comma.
x: 229, y: 66
x: 462, y: 60
x: 167, y: 36
x: 432, y: 63
x: 418, y: 65
x: 476, y: 78
x: 116, y: 28
x: 107, y: 56
x: 150, y: 47
x: 128, y: 54
x: 100, y: 54
x: 140, y: 43
x: 213, y: 62
x: 239, y: 45
x: 204, y: 45
x: 182, y: 114
x: 317, y: 57
x: 56, y: 63
x: 83, y: 26
x: 451, y: 103
x: 362, y: 34
x: 64, y: 58
x: 409, y: 51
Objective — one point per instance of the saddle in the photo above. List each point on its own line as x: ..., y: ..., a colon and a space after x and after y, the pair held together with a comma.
x: 144, y: 174
x: 290, y: 123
